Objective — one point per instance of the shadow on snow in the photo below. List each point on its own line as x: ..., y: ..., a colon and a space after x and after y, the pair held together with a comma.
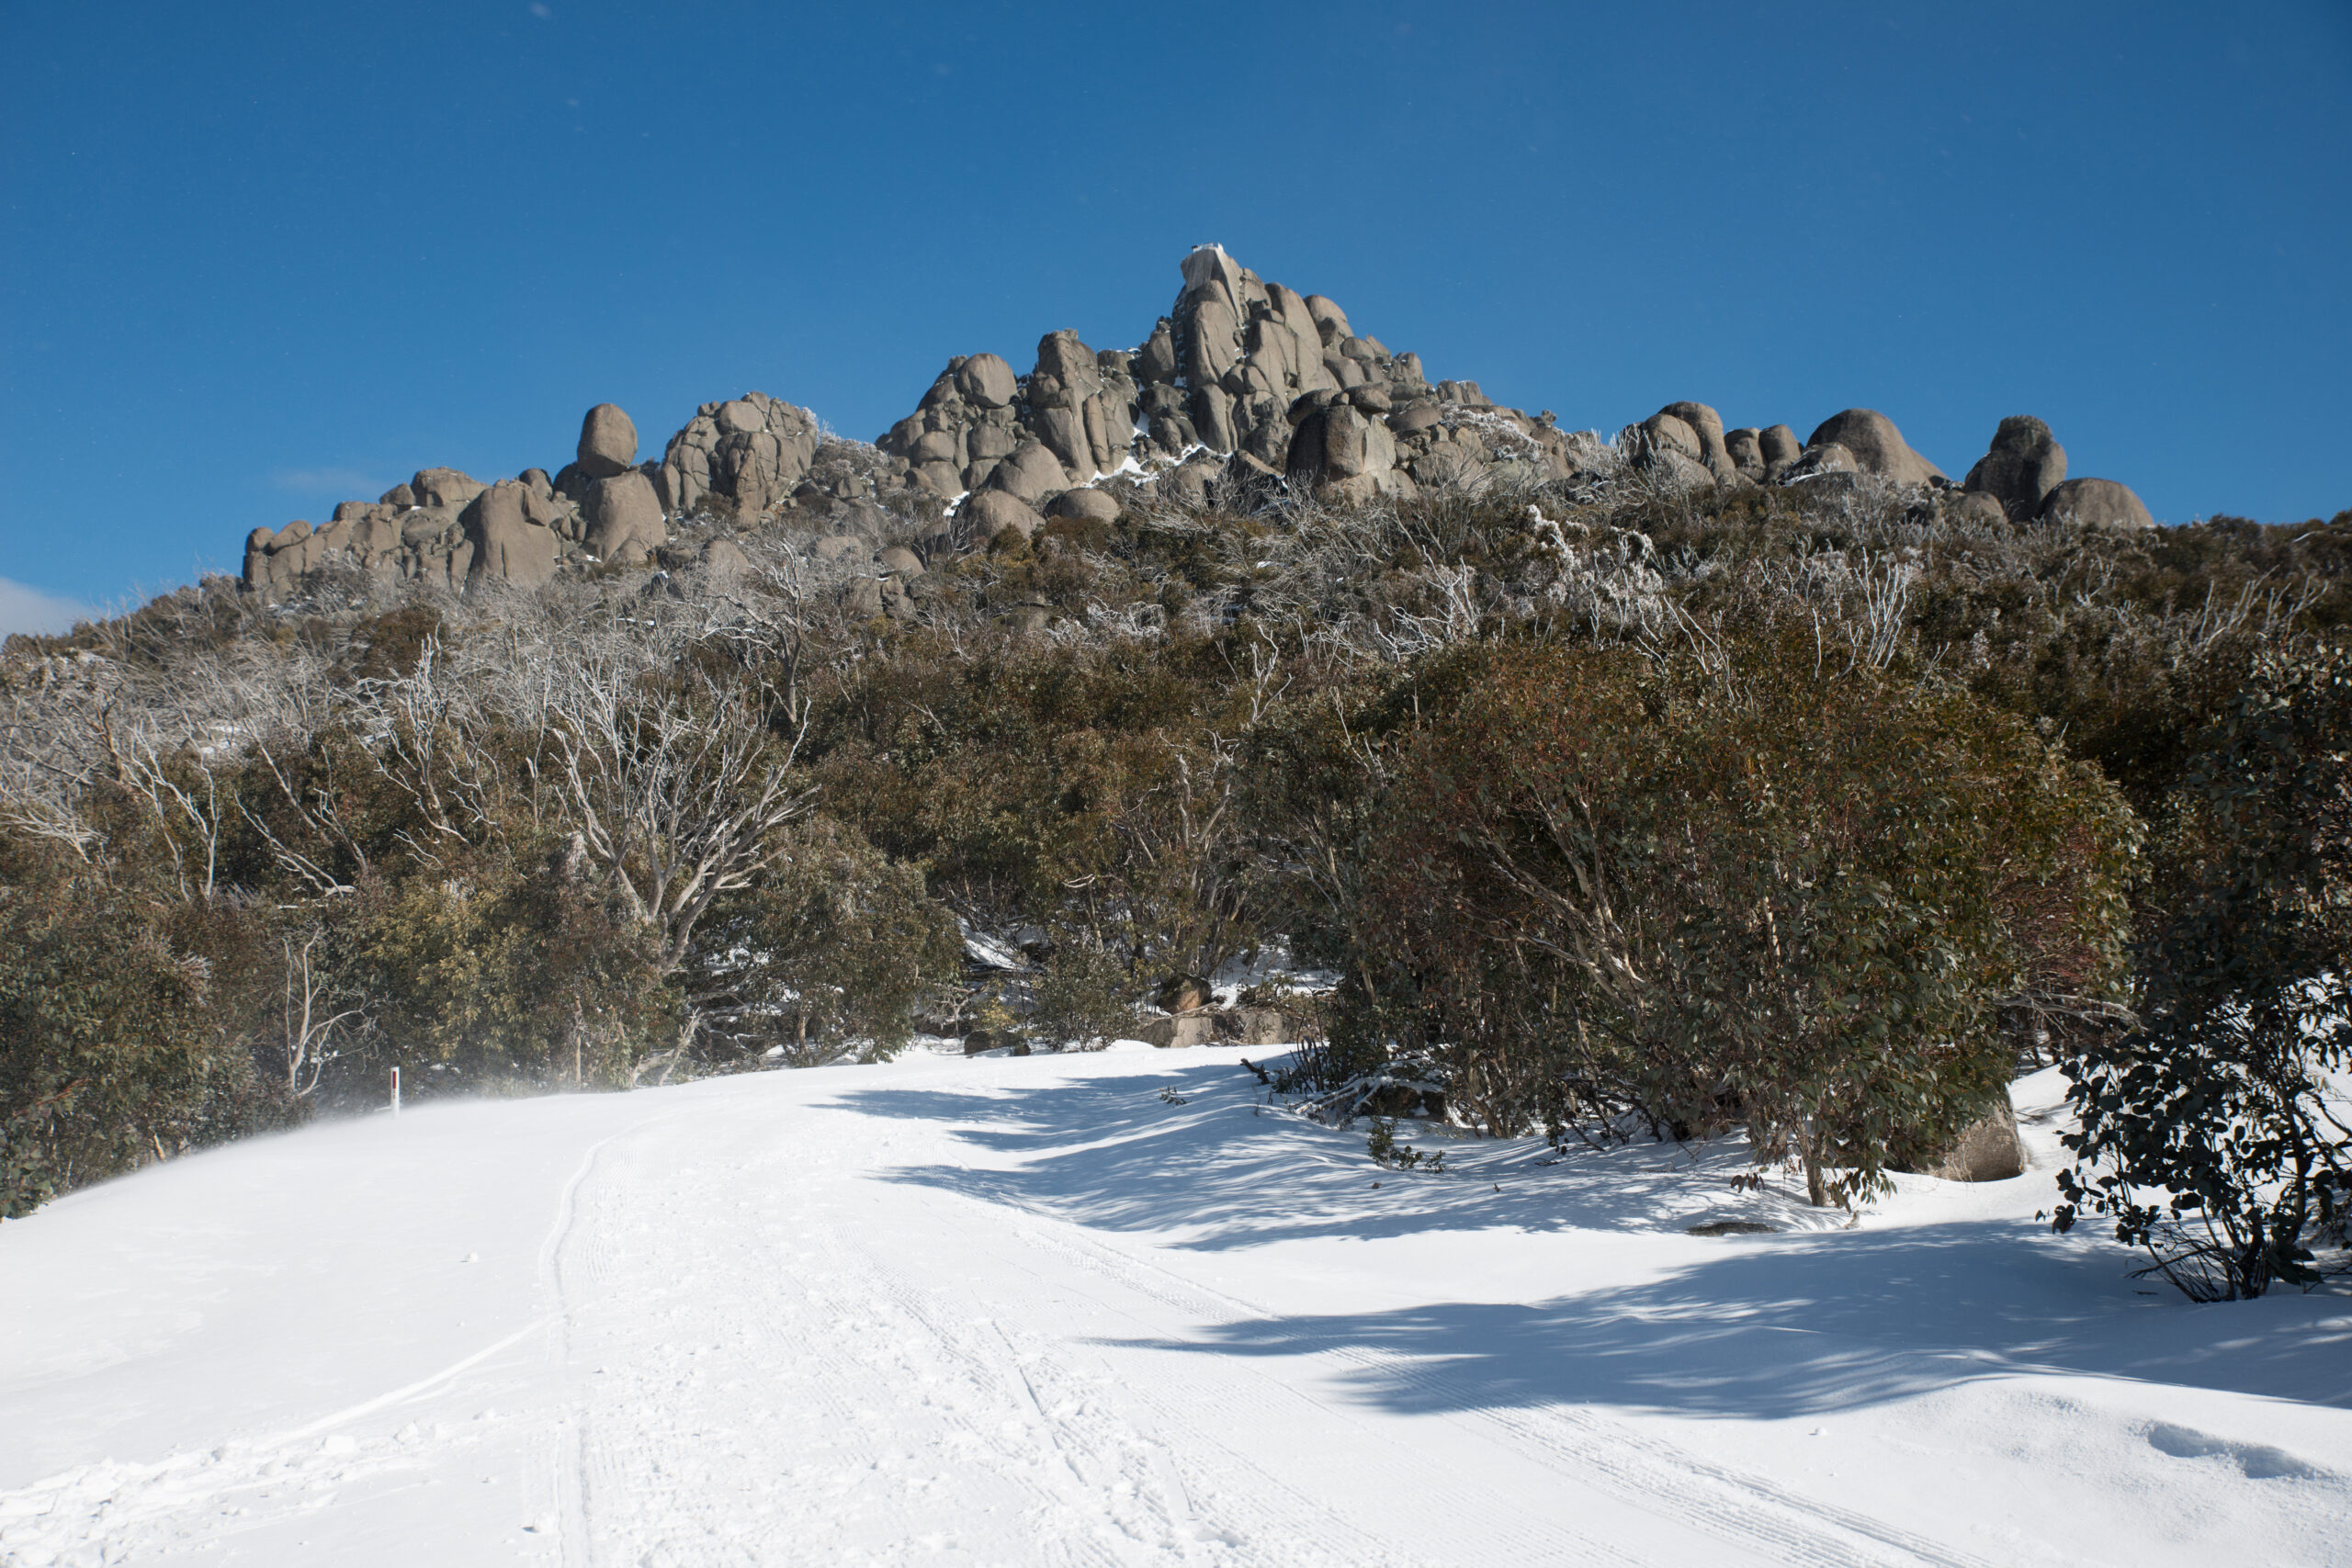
x: 1809, y: 1321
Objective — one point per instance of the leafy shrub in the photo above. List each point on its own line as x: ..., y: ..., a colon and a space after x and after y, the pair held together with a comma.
x: 513, y: 974
x: 1736, y: 887
x: 2212, y: 1134
x: 1085, y: 994
x: 833, y: 950
x: 1297, y: 720
x: 108, y: 1059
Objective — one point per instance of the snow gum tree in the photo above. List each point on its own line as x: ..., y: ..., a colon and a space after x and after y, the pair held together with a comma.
x: 1738, y: 883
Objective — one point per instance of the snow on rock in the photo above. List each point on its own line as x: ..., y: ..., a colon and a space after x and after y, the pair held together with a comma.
x: 984, y: 951
x: 1020, y: 1310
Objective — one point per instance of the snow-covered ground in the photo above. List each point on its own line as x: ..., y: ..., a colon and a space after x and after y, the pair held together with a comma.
x: 1017, y: 1311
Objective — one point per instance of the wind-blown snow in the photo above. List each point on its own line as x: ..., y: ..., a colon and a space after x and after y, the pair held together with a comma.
x: 1015, y: 1311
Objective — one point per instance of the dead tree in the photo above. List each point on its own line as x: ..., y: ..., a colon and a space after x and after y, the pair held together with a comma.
x: 678, y: 785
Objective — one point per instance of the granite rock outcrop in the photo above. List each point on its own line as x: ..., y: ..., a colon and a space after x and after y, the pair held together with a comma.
x: 1242, y: 391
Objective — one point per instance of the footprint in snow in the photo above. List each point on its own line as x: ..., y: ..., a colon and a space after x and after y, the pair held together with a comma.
x: 2259, y: 1461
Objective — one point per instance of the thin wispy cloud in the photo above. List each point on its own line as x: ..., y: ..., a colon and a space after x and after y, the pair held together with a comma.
x: 340, y: 482
x: 24, y: 609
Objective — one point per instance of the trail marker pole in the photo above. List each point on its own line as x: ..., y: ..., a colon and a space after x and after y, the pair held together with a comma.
x: 396, y: 1091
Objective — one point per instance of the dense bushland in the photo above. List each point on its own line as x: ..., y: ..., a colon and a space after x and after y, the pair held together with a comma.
x: 1732, y: 884
x: 2216, y: 1132
x: 1812, y: 810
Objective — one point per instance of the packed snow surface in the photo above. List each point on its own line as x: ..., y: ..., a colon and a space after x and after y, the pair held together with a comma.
x: 1032, y: 1311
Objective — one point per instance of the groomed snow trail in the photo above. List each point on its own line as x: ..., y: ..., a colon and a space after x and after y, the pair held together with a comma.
x: 1013, y: 1312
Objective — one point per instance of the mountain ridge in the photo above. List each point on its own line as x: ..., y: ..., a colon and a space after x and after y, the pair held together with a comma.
x: 1244, y: 388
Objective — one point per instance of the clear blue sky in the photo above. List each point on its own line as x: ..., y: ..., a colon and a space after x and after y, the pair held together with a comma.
x: 261, y: 257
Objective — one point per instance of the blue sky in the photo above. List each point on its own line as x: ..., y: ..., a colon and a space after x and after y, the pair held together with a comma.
x: 260, y: 258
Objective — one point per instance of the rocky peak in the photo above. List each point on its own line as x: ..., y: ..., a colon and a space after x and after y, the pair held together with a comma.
x: 1244, y: 386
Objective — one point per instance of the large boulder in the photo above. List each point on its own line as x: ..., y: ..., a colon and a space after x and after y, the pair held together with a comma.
x: 509, y: 544
x: 722, y: 563
x: 987, y: 381
x: 425, y: 528
x: 1825, y: 458
x: 1184, y: 993
x: 2023, y: 466
x: 1155, y: 362
x: 1184, y: 1030
x: 1778, y: 446
x: 1665, y: 441
x: 1341, y: 443
x: 1414, y: 417
x: 607, y: 443
x: 625, y: 521
x: 1747, y: 453
x: 1032, y: 473
x: 1668, y: 433
x: 1187, y: 486
x: 1877, y: 448
x: 1666, y: 448
x: 2094, y: 500
x: 1977, y: 507
x: 1331, y: 323
x: 1219, y: 1026
x: 1085, y: 506
x: 445, y: 487
x: 1707, y: 426
x: 993, y: 511
x: 261, y: 574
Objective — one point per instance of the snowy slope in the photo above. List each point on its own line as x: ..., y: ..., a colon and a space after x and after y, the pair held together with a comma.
x: 1024, y: 1310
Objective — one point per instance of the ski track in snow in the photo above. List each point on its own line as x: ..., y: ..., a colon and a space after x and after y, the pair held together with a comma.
x: 785, y: 1320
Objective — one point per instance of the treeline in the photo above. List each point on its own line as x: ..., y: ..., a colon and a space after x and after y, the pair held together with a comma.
x: 1813, y: 810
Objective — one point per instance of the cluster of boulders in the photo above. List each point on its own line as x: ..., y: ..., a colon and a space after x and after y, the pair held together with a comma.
x: 1242, y: 381
x: 755, y: 450
x: 442, y: 526
x: 2022, y: 478
x: 604, y: 507
x: 1245, y: 386
x: 2026, y: 472
x: 451, y: 529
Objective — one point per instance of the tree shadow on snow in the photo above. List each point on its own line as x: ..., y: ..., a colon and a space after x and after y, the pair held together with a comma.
x: 1780, y: 1328
x: 1111, y: 1154
x: 1805, y: 1322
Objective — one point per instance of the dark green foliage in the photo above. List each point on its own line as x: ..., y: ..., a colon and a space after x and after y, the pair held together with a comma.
x: 1735, y: 888
x: 514, y: 974
x: 2211, y: 1134
x: 111, y: 1056
x: 1390, y: 1155
x: 1089, y: 790
x: 832, y: 952
x: 1085, y: 995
